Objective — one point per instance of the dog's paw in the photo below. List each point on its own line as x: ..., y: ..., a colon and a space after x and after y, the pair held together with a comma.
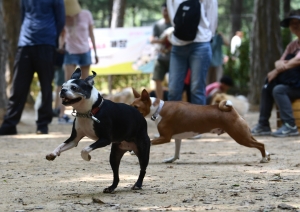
x: 85, y: 155
x: 265, y: 160
x: 136, y: 187
x: 50, y: 156
x: 170, y: 160
x: 109, y: 190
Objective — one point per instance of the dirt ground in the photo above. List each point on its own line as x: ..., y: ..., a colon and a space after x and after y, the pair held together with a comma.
x: 213, y: 174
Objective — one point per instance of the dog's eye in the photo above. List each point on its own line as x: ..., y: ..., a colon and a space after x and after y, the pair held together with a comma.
x: 136, y: 106
x: 74, y: 88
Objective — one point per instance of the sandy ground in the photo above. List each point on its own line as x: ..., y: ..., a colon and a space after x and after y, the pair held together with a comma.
x: 213, y: 173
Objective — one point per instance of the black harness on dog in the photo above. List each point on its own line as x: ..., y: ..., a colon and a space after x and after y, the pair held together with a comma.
x: 90, y: 114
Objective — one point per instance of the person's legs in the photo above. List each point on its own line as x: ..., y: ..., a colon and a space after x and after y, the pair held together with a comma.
x: 266, y: 106
x: 282, y: 95
x: 160, y: 70
x: 199, y: 60
x: 177, y: 71
x: 85, y: 71
x: 59, y: 79
x: 23, y: 74
x: 85, y: 62
x: 43, y: 57
x: 69, y: 69
x: 211, y: 75
x: 219, y: 73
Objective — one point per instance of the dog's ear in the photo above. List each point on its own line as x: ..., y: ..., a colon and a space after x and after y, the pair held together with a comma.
x: 90, y: 79
x: 135, y: 93
x: 76, y: 74
x: 145, y: 95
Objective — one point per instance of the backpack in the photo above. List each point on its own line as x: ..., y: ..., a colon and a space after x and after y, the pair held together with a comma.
x: 187, y: 19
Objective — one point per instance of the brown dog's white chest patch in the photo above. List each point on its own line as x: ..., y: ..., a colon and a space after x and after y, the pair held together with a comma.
x: 127, y: 146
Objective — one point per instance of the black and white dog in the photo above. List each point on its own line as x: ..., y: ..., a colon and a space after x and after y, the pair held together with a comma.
x: 105, y: 122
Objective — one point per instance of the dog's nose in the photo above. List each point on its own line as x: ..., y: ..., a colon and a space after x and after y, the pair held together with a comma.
x: 63, y: 93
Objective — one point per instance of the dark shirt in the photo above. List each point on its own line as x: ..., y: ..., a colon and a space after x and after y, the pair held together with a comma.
x: 42, y: 22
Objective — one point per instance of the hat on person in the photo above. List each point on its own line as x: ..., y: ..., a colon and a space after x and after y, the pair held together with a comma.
x: 292, y: 15
x: 72, y: 7
x: 227, y: 81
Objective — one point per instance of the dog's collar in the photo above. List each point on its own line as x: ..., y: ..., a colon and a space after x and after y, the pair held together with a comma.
x: 155, y: 114
x: 90, y: 114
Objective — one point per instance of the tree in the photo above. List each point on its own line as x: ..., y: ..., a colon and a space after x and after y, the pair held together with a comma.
x: 12, y: 23
x: 3, y: 56
x: 265, y: 45
x: 236, y: 13
x: 118, y: 13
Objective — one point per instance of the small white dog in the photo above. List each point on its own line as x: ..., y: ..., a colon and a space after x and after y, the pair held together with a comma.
x: 240, y: 103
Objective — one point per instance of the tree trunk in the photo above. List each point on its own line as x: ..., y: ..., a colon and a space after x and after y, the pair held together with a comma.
x: 118, y: 13
x: 265, y: 45
x: 236, y: 12
x: 3, y: 58
x: 286, y: 7
x: 12, y: 21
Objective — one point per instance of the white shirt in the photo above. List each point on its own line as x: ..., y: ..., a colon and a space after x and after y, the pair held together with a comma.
x: 235, y: 43
x: 208, y: 21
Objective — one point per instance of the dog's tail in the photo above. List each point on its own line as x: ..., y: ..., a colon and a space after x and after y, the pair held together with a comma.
x: 225, y: 105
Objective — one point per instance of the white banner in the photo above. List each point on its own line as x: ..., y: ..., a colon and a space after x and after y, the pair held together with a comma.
x: 124, y: 51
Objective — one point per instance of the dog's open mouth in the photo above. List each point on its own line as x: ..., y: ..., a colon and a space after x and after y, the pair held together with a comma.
x: 66, y: 101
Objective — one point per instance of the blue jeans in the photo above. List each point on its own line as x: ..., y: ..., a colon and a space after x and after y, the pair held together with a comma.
x: 83, y: 59
x: 197, y: 57
x: 282, y: 95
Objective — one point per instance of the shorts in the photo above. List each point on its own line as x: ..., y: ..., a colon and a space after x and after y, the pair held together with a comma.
x: 83, y: 59
x: 160, y: 69
x: 59, y: 76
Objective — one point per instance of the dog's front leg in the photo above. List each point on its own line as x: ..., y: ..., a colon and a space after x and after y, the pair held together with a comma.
x: 177, y: 151
x: 68, y: 144
x: 98, y: 144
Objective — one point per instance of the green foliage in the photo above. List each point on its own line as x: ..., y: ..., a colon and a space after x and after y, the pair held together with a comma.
x: 238, y: 69
x: 138, y: 13
x: 119, y: 82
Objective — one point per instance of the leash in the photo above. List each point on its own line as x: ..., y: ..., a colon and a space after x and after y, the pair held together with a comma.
x: 155, y: 114
x: 90, y: 114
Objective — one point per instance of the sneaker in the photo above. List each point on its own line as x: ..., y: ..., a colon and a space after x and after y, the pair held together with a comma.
x: 65, y: 120
x: 286, y: 130
x: 42, y: 130
x: 261, y: 130
x: 8, y: 131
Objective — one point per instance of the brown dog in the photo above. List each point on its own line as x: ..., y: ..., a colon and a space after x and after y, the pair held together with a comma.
x: 180, y: 120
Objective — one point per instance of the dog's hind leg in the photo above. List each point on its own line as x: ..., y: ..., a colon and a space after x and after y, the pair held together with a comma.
x: 116, y: 155
x: 248, y: 141
x: 143, y: 156
x: 177, y: 151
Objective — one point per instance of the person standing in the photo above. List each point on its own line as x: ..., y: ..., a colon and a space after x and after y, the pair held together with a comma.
x: 236, y: 42
x: 78, y: 29
x: 42, y: 22
x: 74, y: 41
x: 215, y: 71
x: 195, y: 54
x: 163, y: 59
